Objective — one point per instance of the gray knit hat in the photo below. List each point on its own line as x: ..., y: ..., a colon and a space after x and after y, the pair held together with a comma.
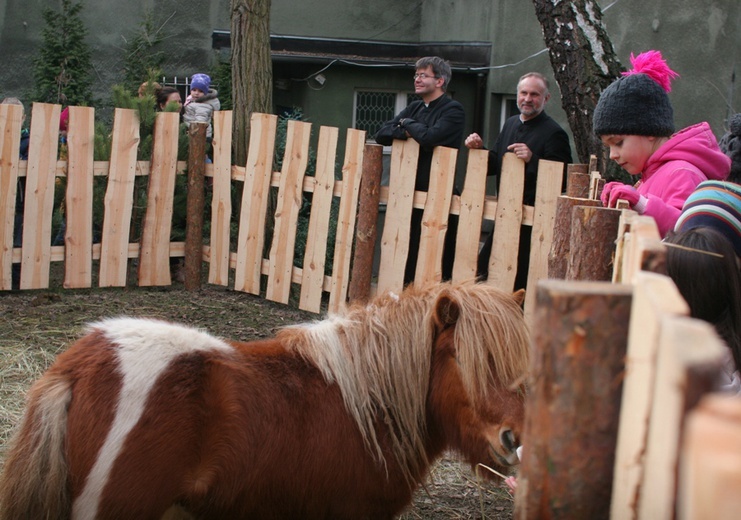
x: 637, y: 103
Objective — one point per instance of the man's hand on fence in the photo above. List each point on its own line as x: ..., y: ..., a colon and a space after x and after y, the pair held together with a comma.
x: 615, y: 191
x: 474, y: 141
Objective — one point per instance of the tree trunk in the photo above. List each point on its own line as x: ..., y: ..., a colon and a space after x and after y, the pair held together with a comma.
x: 584, y: 63
x: 252, y: 72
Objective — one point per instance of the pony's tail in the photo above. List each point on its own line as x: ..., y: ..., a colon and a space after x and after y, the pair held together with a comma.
x: 34, y: 480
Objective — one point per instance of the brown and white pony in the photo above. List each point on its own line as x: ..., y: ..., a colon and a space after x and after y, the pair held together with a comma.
x: 339, y: 418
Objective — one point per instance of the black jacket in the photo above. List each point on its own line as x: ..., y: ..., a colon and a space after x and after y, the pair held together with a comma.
x: 438, y: 124
x: 546, y: 140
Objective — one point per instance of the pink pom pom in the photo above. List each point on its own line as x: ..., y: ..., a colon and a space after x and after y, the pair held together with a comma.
x: 653, y: 65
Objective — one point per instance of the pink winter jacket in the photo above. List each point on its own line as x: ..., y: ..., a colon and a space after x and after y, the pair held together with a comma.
x: 674, y: 170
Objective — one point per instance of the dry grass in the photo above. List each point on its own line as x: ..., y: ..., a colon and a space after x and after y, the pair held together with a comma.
x: 37, y: 325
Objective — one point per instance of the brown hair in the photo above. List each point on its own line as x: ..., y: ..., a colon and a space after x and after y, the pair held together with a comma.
x: 162, y: 94
x: 706, y: 272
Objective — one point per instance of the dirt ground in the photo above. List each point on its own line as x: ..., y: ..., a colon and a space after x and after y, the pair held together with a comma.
x: 35, y: 326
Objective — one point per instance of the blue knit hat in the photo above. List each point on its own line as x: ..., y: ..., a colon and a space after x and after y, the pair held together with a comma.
x: 715, y: 204
x: 200, y: 81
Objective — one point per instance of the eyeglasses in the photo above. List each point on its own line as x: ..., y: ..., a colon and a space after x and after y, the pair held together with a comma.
x: 422, y: 75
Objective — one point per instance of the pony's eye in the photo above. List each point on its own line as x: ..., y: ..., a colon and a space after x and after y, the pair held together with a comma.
x: 507, y: 437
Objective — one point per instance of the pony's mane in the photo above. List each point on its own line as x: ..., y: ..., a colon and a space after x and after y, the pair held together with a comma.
x: 379, y: 355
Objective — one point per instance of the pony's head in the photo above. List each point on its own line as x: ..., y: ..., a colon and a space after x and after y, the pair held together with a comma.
x: 440, y: 366
x: 479, y: 361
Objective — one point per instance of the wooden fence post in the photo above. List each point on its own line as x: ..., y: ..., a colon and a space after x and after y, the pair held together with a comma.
x: 710, y: 473
x: 195, y: 204
x: 365, y: 236
x: 577, y: 181
x: 654, y: 297
x: 558, y: 257
x: 574, y: 400
x: 592, y: 243
x: 11, y: 120
x: 688, y: 363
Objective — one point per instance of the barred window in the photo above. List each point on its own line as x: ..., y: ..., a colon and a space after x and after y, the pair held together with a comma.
x: 372, y: 109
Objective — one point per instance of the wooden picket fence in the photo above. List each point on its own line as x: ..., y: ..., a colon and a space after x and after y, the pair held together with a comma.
x: 245, y: 263
x: 623, y: 419
x: 672, y: 367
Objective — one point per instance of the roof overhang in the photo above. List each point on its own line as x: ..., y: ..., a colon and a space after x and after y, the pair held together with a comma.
x: 462, y: 56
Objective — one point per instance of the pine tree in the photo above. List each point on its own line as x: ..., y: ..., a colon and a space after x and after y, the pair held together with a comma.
x: 62, y: 67
x: 143, y: 58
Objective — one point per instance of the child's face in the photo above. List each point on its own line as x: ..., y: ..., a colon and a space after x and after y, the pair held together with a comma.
x: 631, y: 152
x: 195, y: 93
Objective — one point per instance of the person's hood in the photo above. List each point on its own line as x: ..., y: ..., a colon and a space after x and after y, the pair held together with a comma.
x: 696, y: 145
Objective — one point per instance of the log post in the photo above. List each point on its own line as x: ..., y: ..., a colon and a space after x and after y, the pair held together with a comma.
x: 195, y: 204
x: 577, y: 181
x: 592, y: 243
x: 573, y: 405
x: 366, y: 230
x: 558, y: 256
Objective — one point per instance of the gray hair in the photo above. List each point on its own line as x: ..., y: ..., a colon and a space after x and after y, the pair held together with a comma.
x: 440, y: 67
x: 535, y: 75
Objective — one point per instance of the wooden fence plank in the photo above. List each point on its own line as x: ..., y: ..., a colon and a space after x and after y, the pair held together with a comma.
x: 689, y: 361
x: 710, y: 473
x: 470, y: 216
x: 503, y: 259
x: 78, y: 241
x: 288, y: 204
x: 221, y: 201
x: 315, y: 254
x: 654, y: 296
x: 39, y: 201
x: 255, y: 195
x: 435, y: 216
x: 119, y: 199
x: 352, y: 170
x: 11, y: 122
x: 550, y: 180
x: 154, y: 252
x: 640, y: 235
x: 395, y: 238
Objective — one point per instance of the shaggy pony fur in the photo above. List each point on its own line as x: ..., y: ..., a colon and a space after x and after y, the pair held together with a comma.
x: 339, y: 418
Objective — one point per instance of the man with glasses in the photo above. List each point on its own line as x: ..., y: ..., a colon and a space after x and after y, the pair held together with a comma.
x: 434, y: 120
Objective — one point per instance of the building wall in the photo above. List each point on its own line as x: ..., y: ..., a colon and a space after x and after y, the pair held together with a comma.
x: 187, y: 25
x: 700, y: 39
x: 388, y: 20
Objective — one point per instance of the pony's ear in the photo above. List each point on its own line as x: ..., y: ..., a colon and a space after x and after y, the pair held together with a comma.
x: 519, y: 296
x: 447, y: 311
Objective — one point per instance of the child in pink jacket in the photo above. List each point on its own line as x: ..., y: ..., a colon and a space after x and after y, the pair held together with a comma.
x: 634, y: 118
